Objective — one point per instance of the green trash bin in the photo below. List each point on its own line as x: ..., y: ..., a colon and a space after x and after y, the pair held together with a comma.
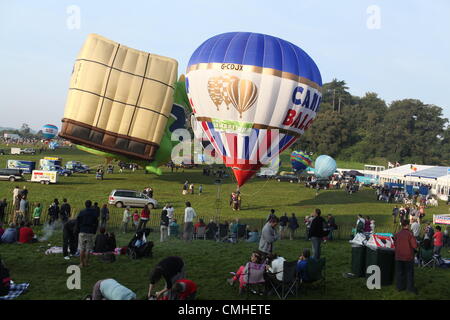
x: 358, y: 260
x: 383, y: 258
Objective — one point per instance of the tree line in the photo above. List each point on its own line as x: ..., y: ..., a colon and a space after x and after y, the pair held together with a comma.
x: 366, y: 129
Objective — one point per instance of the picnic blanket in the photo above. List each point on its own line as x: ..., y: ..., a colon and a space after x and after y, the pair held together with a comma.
x: 15, y: 290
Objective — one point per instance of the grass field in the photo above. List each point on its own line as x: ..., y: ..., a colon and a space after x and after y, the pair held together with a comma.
x: 208, y: 263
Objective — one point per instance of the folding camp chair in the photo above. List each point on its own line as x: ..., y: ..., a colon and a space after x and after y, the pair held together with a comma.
x: 254, y: 278
x: 315, y: 270
x: 289, y: 284
x: 201, y: 233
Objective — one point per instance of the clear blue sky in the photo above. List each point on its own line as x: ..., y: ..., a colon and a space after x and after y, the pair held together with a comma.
x: 407, y: 57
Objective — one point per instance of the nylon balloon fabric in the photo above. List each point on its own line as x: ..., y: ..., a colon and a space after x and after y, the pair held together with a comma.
x: 253, y: 96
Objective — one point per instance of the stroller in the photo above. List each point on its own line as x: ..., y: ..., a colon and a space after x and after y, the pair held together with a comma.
x: 139, y: 246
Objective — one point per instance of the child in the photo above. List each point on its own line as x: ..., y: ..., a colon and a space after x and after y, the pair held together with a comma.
x: 438, y: 241
x: 200, y: 190
x: 37, y: 215
x: 136, y: 219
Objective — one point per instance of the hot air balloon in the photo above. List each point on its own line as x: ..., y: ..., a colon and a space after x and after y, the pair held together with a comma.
x: 253, y: 95
x: 49, y: 131
x: 119, y: 99
x: 324, y: 166
x: 300, y: 161
x: 177, y: 120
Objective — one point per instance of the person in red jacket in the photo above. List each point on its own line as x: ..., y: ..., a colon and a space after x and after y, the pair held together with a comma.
x: 145, y: 216
x: 438, y: 241
x: 184, y: 289
x: 405, y: 244
x: 26, y: 234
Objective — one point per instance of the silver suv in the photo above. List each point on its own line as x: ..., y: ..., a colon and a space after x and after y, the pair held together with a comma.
x: 123, y: 198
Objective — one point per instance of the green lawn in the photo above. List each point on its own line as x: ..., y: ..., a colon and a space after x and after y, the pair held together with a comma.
x: 208, y: 263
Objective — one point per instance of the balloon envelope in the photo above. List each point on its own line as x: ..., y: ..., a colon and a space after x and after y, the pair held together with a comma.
x: 300, y: 161
x: 119, y: 99
x: 49, y: 131
x: 325, y: 166
x: 253, y: 95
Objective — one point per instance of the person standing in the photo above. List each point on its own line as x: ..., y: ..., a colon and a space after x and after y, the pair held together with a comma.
x: 87, y: 222
x: 283, y: 225
x: 405, y: 244
x: 200, y: 190
x: 65, y: 211
x: 24, y: 207
x: 415, y: 228
x: 126, y: 219
x: 164, y: 225
x: 70, y: 238
x: 438, y: 241
x: 185, y: 188
x: 316, y: 233
x: 53, y: 211
x: 292, y: 225
x: 145, y: 216
x: 395, y: 214
x: 268, y: 236
x: 37, y: 215
x: 3, y: 205
x: 189, y: 215
x: 104, y: 216
x: 170, y: 214
x: 15, y: 194
x: 331, y: 223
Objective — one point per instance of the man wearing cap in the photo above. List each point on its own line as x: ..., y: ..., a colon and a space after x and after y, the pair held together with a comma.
x: 405, y: 243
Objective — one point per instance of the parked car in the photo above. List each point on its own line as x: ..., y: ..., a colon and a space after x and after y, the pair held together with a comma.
x: 322, y: 183
x: 11, y: 174
x: 28, y: 151
x: 287, y: 177
x: 77, y: 167
x: 132, y: 198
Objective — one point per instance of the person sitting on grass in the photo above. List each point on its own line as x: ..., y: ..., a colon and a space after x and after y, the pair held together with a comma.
x: 174, y: 228
x: 110, y: 289
x: 26, y: 234
x: 171, y: 269
x: 253, y: 236
x: 104, y: 242
x: 10, y: 234
x: 302, y: 265
x: 199, y: 224
x: 211, y: 230
x: 239, y: 275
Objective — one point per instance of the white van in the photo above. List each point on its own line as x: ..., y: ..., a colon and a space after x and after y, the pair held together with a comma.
x: 44, y: 177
